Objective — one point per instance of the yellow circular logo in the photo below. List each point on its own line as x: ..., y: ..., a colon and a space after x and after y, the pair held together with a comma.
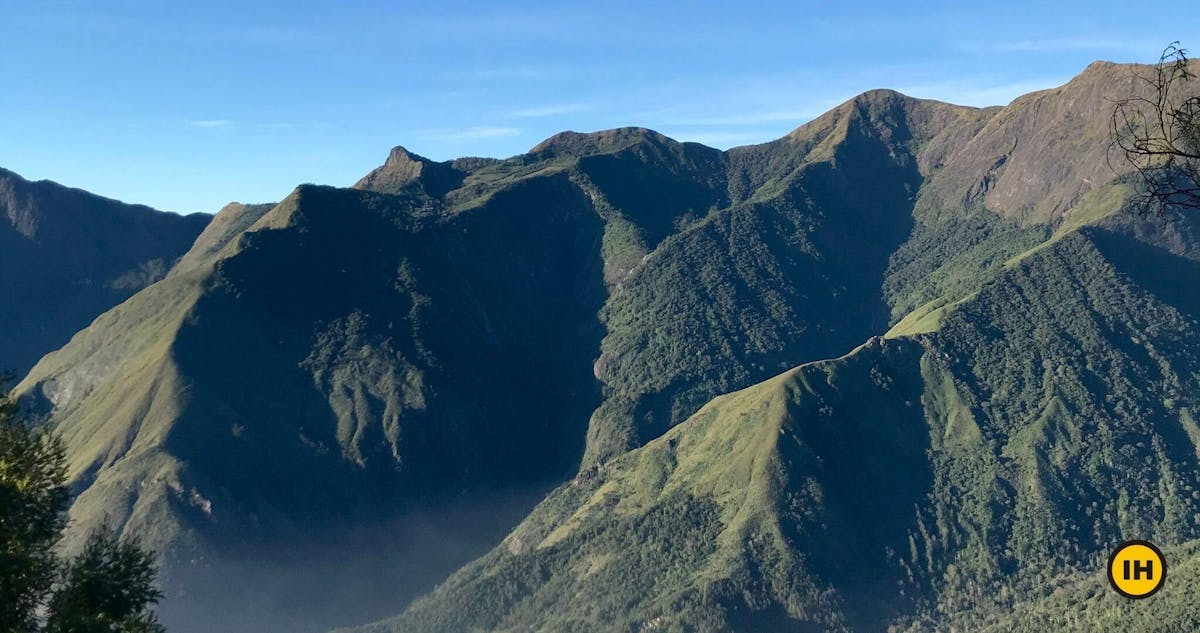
x: 1137, y: 569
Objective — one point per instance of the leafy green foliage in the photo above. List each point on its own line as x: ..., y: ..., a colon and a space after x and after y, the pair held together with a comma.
x: 106, y: 588
x: 32, y: 500
x: 1083, y: 601
x: 1069, y: 426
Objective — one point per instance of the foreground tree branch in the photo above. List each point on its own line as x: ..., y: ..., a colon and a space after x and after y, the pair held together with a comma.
x: 1158, y: 133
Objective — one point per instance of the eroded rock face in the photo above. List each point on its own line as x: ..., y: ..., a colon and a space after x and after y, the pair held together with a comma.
x: 1038, y: 157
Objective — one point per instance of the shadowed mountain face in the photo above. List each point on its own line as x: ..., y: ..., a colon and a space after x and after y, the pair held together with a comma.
x: 67, y: 255
x: 352, y: 359
x: 449, y: 337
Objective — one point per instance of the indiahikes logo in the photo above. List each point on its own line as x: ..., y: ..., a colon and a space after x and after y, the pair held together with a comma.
x: 1137, y: 569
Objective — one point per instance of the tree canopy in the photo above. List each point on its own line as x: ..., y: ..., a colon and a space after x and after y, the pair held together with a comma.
x: 107, y: 587
x: 1158, y: 132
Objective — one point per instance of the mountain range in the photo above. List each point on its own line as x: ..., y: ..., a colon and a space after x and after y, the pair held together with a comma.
x: 914, y: 366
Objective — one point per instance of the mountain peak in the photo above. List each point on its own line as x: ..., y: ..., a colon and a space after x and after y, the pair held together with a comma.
x: 400, y: 156
x: 1037, y: 157
x: 231, y: 207
x: 1099, y: 64
x: 226, y: 226
x: 604, y: 141
x: 881, y: 95
x: 403, y: 168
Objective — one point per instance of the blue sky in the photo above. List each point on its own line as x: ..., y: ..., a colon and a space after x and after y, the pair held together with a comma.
x: 185, y: 107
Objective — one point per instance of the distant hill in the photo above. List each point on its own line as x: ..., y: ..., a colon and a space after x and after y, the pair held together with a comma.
x: 67, y: 255
x: 381, y: 380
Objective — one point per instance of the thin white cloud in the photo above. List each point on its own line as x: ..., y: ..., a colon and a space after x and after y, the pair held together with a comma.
x: 1062, y: 45
x: 210, y: 123
x: 524, y: 72
x: 288, y: 126
x: 468, y: 134
x: 550, y: 110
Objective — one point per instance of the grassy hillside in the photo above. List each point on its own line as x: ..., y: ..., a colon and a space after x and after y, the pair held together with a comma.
x: 348, y: 298
x: 382, y: 362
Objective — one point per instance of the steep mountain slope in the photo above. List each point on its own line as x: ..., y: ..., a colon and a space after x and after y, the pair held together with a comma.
x: 67, y: 255
x: 1040, y: 155
x: 671, y: 534
x: 942, y: 477
x: 792, y: 270
x: 226, y: 226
